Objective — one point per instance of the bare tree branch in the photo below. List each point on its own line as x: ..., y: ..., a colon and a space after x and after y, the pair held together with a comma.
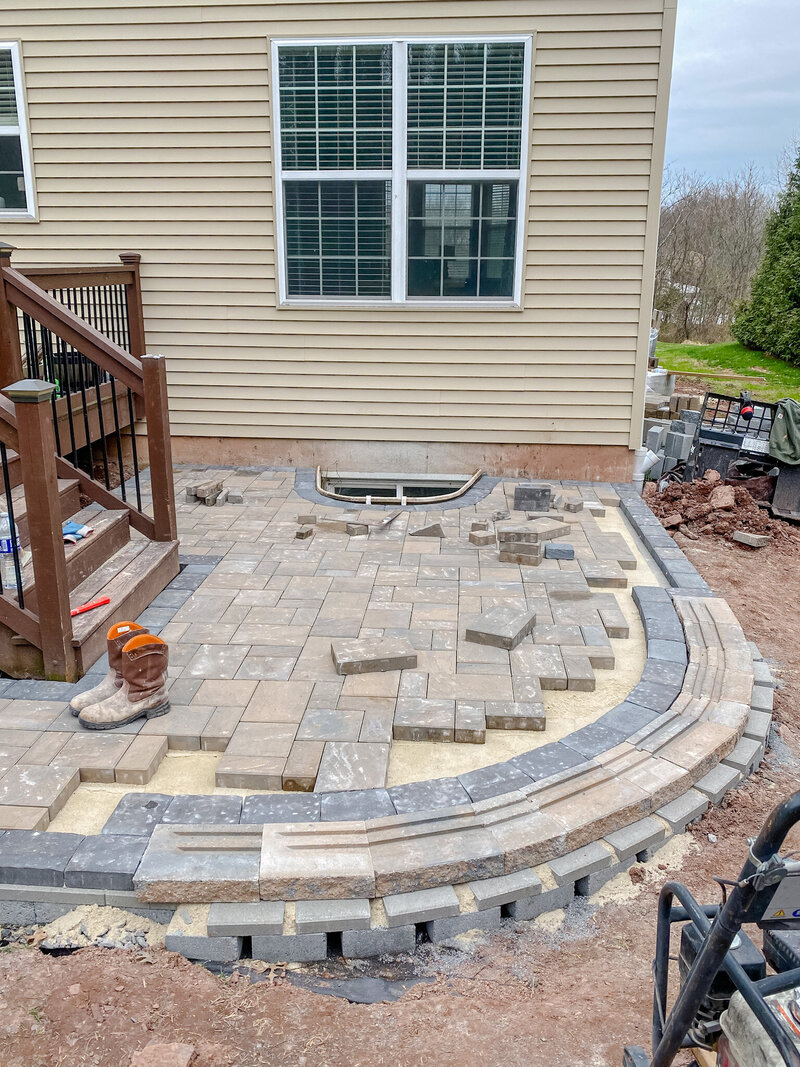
x: 710, y: 244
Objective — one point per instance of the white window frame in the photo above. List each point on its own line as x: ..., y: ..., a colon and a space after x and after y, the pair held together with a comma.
x: 21, y: 130
x: 400, y: 175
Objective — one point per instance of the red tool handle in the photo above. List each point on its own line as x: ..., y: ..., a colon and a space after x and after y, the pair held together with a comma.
x: 88, y: 607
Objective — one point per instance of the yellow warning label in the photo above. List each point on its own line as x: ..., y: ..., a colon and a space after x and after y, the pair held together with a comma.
x: 779, y: 915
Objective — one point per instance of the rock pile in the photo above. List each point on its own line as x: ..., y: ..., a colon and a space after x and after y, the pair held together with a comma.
x: 709, y: 506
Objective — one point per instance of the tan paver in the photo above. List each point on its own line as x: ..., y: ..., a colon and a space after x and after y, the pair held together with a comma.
x: 353, y: 765
x: 225, y: 692
x: 23, y: 818
x: 95, y: 754
x: 39, y: 787
x: 268, y: 739
x: 302, y: 765
x: 141, y: 760
x: 362, y: 657
x: 250, y: 772
x: 218, y: 731
x: 46, y: 748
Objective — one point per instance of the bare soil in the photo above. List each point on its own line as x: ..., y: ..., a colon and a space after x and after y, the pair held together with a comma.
x: 533, y: 995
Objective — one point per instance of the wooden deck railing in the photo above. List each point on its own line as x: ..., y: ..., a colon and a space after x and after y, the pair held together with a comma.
x: 89, y: 407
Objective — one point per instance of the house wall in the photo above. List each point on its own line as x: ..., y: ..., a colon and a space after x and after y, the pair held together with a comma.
x: 150, y: 125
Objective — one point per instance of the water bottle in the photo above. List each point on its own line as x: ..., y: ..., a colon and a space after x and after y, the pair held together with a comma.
x: 7, y: 539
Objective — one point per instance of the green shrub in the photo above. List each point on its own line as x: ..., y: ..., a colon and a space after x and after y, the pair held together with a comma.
x: 770, y: 319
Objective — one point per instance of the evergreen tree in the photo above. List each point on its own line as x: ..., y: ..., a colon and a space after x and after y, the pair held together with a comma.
x: 770, y: 319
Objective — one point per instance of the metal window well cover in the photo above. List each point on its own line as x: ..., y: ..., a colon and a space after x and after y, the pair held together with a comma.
x: 468, y: 482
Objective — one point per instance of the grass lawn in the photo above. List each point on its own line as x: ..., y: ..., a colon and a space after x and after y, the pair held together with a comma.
x: 782, y: 379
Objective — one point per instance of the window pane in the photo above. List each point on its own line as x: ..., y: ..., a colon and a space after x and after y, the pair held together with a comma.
x: 8, y: 99
x: 336, y: 107
x: 457, y: 93
x: 12, y: 176
x: 338, y: 238
x: 461, y: 238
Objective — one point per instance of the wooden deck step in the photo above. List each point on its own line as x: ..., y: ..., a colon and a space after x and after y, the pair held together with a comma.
x: 111, y: 532
x: 69, y: 497
x: 132, y: 577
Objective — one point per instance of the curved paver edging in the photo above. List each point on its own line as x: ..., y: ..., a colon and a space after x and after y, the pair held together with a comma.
x: 505, y: 836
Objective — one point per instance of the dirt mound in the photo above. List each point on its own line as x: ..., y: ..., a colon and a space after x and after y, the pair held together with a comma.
x: 708, y: 507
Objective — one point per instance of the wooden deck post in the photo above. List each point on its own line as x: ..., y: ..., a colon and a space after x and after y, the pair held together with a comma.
x: 37, y: 451
x: 135, y: 312
x: 159, y: 445
x: 10, y: 352
x: 133, y: 302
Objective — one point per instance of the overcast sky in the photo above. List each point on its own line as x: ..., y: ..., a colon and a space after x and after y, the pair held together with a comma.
x: 735, y: 84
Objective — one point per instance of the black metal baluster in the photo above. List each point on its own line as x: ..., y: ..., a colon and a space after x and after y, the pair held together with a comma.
x: 49, y: 365
x: 113, y: 314
x: 118, y: 437
x: 99, y: 322
x: 135, y: 454
x: 108, y: 319
x: 29, y: 333
x: 50, y: 372
x: 84, y: 402
x: 66, y: 392
x: 57, y: 432
x: 101, y: 423
x: 121, y: 317
x: 126, y: 314
x: 12, y: 525
x: 122, y: 297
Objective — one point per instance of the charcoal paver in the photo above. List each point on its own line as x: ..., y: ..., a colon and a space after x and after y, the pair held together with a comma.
x: 36, y: 857
x: 105, y: 861
x: 137, y: 814
x: 188, y: 810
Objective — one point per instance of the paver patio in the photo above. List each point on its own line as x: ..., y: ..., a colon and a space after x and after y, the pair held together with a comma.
x: 260, y: 625
x: 469, y: 768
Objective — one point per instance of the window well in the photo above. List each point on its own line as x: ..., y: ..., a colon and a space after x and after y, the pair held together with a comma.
x: 383, y: 488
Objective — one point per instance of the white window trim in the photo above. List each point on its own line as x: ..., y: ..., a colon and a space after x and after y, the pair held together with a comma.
x: 400, y: 175
x: 21, y: 130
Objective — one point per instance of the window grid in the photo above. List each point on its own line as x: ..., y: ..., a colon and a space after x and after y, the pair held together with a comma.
x: 457, y: 113
x: 357, y: 267
x: 477, y: 228
x: 323, y: 100
x: 402, y: 176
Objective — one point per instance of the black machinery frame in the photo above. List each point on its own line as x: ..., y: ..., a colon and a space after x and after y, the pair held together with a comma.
x: 746, y: 902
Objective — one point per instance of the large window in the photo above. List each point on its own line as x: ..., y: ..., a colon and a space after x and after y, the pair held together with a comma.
x: 16, y: 178
x: 400, y: 169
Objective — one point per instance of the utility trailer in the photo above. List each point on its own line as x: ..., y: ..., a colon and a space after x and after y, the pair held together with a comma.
x: 725, y: 992
x: 735, y: 430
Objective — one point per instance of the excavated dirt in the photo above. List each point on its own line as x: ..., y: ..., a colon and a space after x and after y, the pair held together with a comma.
x: 708, y: 506
x: 561, y: 992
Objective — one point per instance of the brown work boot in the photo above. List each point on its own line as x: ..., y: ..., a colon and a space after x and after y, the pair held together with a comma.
x: 119, y: 635
x: 144, y: 687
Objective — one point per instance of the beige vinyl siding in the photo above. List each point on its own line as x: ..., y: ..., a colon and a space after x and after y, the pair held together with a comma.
x: 151, y: 124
